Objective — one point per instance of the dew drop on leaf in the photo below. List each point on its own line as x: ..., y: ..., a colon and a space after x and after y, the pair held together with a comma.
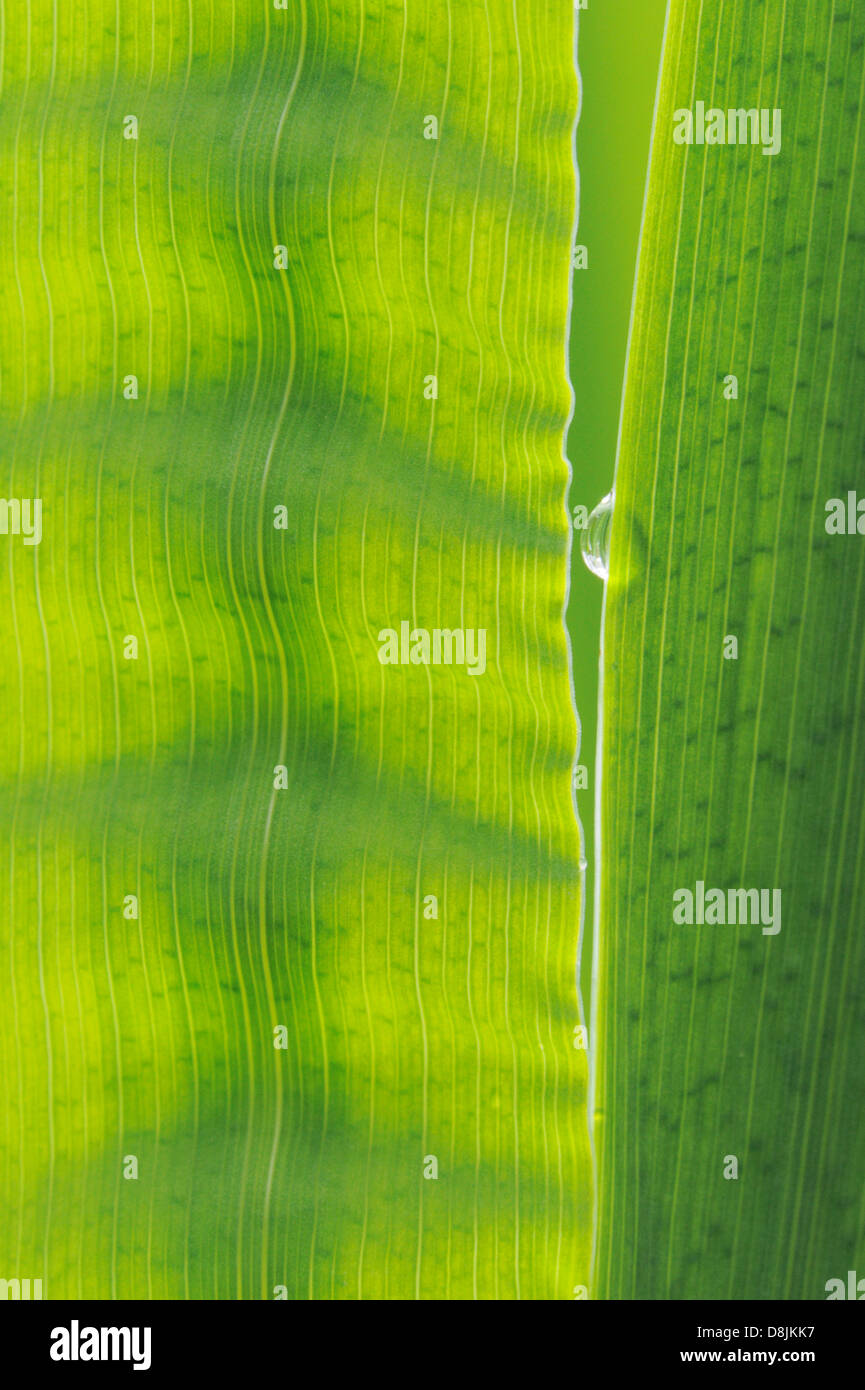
x: 595, y: 538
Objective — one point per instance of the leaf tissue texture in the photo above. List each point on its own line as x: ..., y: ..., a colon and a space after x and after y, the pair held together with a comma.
x: 288, y: 934
x: 739, y: 765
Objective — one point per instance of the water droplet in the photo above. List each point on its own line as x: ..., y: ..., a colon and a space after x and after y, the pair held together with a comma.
x: 595, y: 539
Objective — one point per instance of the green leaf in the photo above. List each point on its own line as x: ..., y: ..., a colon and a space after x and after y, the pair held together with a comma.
x: 720, y: 1040
x: 151, y: 1036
